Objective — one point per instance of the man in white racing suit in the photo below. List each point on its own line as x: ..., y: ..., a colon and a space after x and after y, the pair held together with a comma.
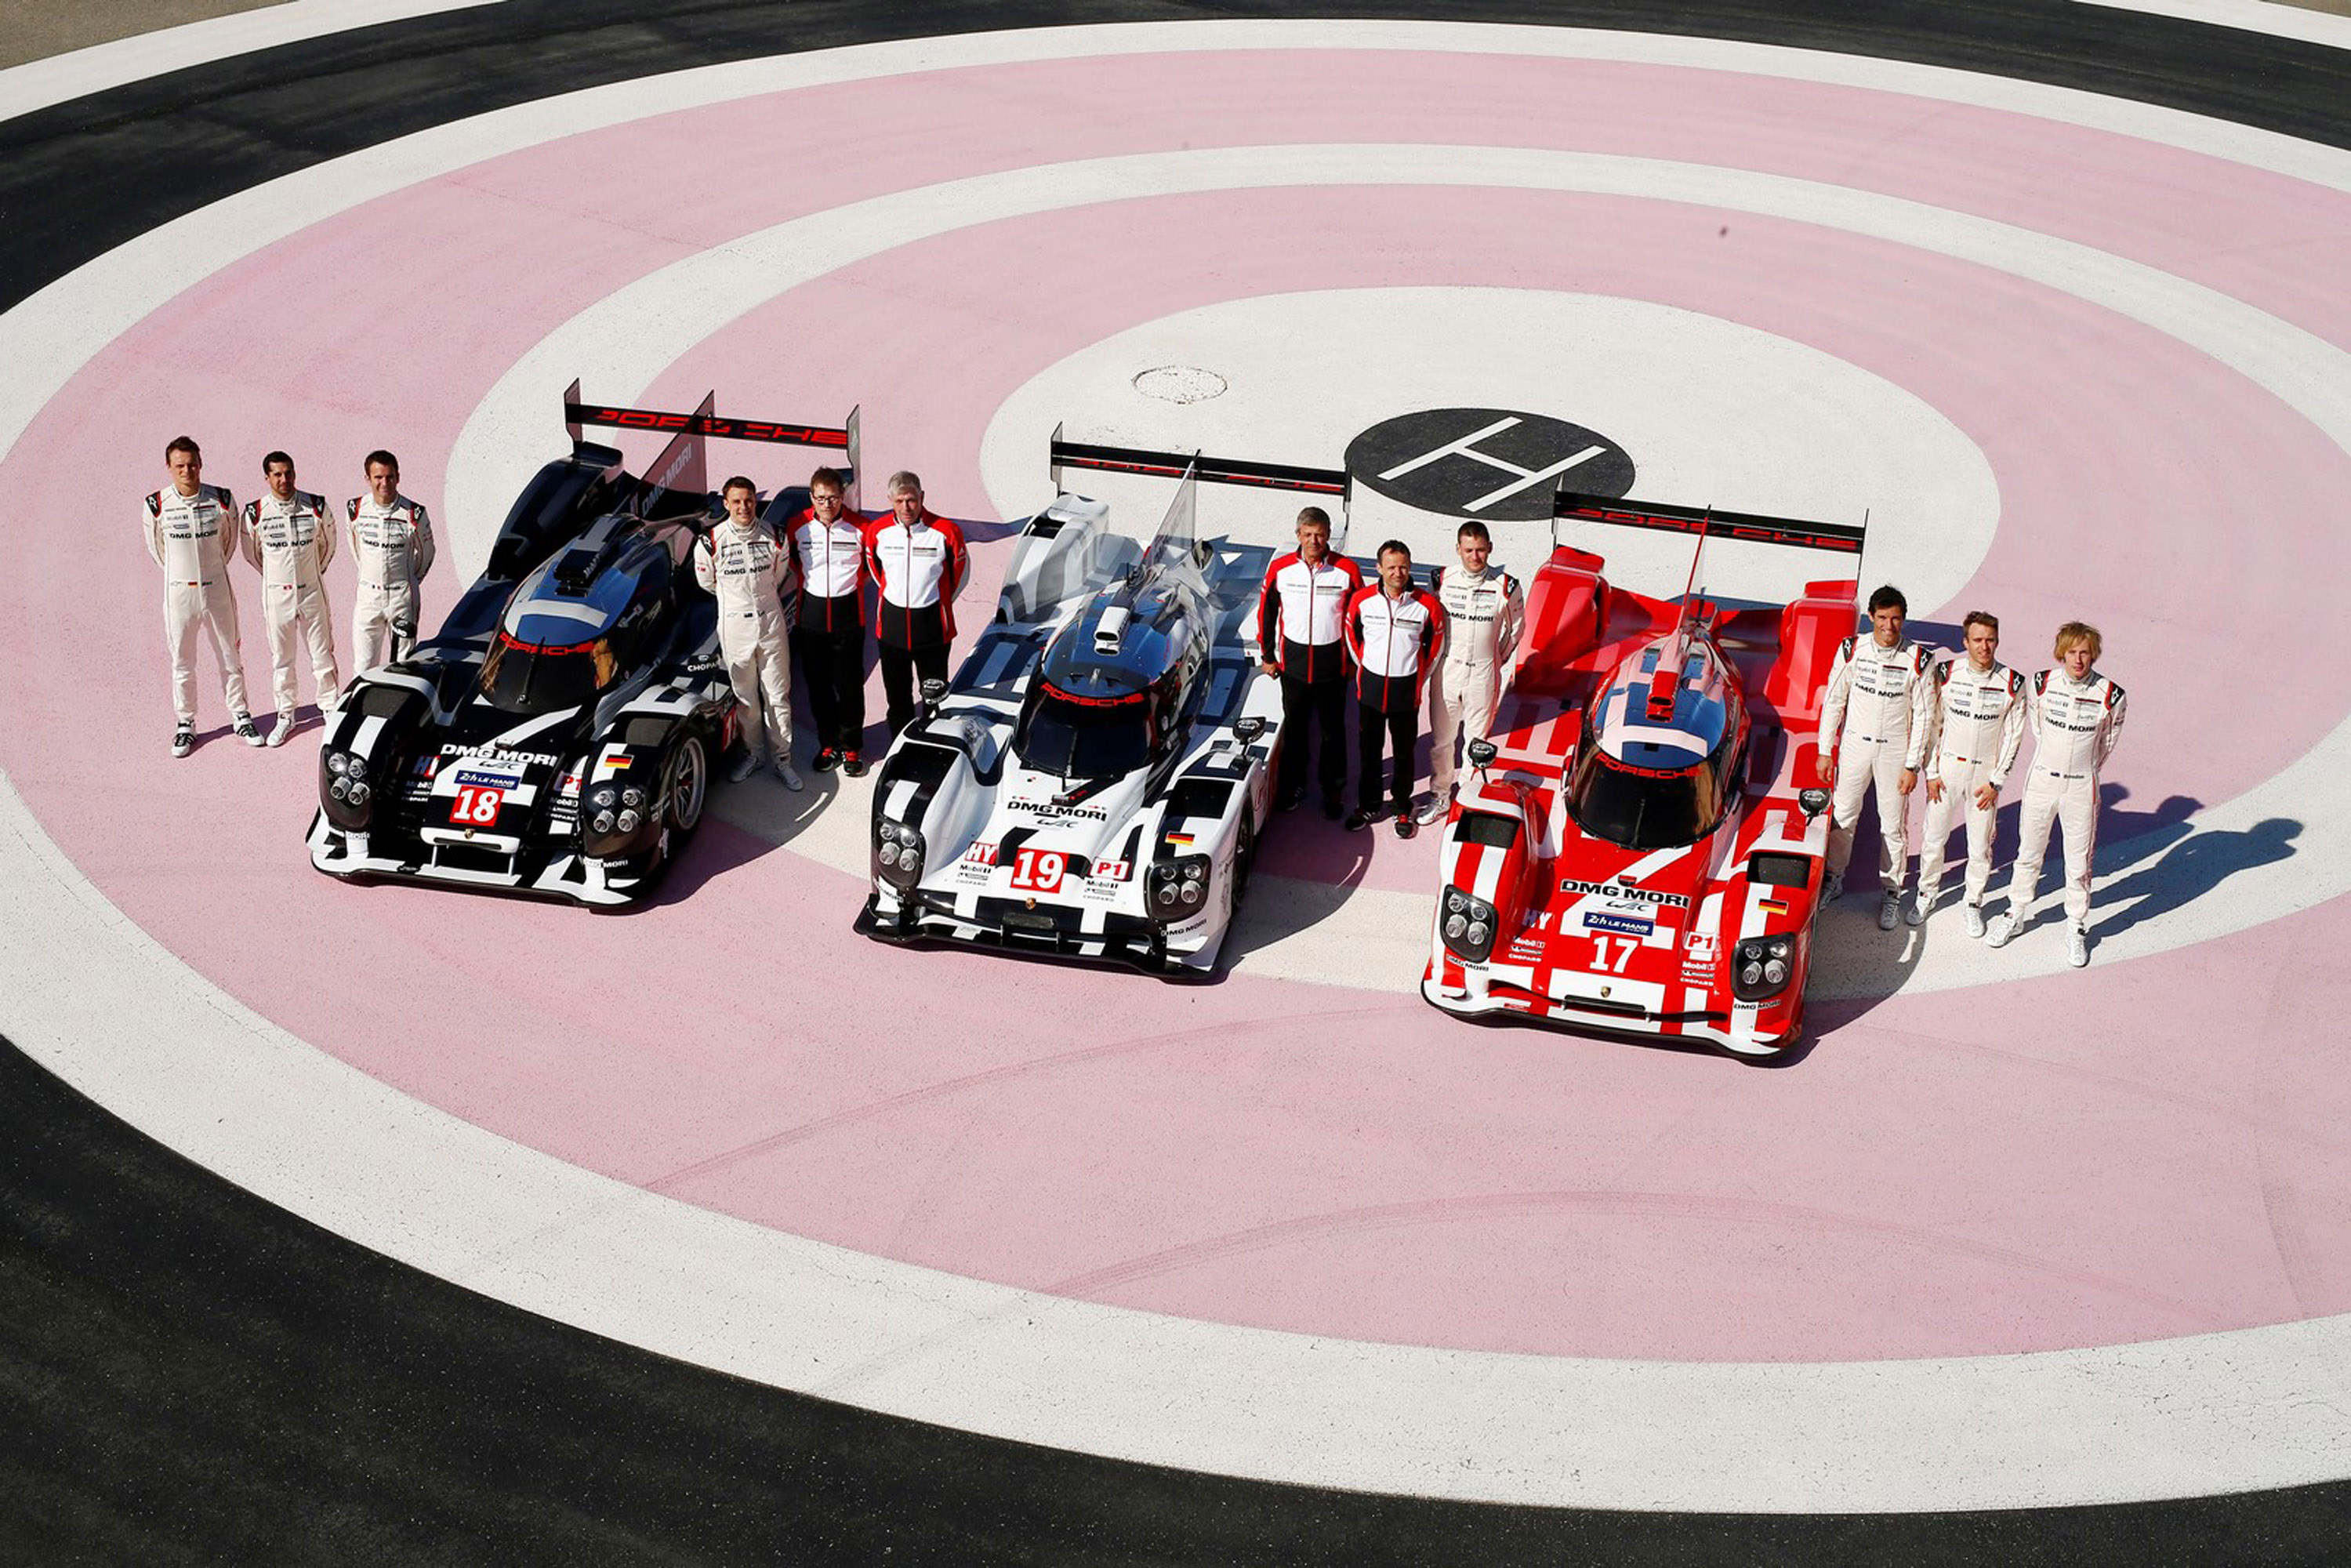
x: 391, y: 550
x: 290, y: 536
x: 743, y: 565
x: 2076, y: 715
x: 1875, y: 720
x: 190, y: 528
x: 1978, y: 721
x: 1484, y: 613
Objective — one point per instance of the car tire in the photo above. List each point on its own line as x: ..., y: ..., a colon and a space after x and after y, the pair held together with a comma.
x: 686, y: 783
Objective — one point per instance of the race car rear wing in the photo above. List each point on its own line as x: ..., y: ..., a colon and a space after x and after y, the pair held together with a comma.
x: 682, y: 465
x: 1707, y: 524
x: 1214, y: 470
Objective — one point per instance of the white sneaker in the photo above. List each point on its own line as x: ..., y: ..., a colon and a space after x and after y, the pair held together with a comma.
x: 283, y: 730
x: 183, y: 738
x: 750, y: 762
x: 1975, y: 921
x: 2001, y: 929
x: 1920, y: 903
x: 1439, y: 802
x: 1833, y: 887
x: 1890, y: 910
x: 785, y: 775
x: 2077, y: 947
x: 243, y: 725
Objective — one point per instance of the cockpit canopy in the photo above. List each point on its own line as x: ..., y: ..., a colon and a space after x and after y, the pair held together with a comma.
x: 1113, y: 689
x: 1661, y: 740
x: 584, y: 618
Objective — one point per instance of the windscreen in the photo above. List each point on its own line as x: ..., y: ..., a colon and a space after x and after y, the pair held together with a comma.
x: 1072, y: 740
x: 1642, y: 808
x: 521, y: 678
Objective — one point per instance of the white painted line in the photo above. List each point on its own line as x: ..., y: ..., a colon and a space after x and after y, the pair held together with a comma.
x: 38, y: 84
x: 2189, y: 1416
x: 2272, y: 16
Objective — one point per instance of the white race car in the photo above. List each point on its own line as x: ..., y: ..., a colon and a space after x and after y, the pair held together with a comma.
x: 1092, y: 783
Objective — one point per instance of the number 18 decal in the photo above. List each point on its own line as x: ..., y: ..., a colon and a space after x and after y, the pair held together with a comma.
x: 1038, y: 871
x: 476, y: 805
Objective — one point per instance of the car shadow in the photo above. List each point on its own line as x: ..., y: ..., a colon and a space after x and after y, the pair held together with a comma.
x: 762, y: 817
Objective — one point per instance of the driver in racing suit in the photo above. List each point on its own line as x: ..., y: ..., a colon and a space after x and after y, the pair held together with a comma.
x: 289, y: 534
x: 742, y: 564
x: 1485, y: 612
x: 1877, y: 720
x: 191, y: 529
x: 391, y: 550
x: 2078, y: 716
x: 1979, y: 720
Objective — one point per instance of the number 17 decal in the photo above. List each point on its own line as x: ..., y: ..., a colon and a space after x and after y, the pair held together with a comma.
x: 1625, y: 948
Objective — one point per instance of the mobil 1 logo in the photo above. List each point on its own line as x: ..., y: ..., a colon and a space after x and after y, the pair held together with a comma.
x: 1492, y: 464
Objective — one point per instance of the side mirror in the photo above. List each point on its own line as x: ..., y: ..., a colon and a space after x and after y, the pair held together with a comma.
x: 934, y: 692
x: 1249, y: 729
x: 1811, y: 803
x: 1482, y: 754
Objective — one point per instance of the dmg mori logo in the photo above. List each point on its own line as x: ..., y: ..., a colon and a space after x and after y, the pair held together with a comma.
x: 1492, y: 464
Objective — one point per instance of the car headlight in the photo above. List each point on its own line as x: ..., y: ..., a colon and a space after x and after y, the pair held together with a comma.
x: 604, y: 797
x: 628, y: 823
x: 601, y: 823
x: 634, y: 797
x: 1179, y: 887
x: 345, y: 793
x: 338, y: 763
x: 359, y: 794
x: 1762, y: 966
x: 897, y: 853
x: 1469, y: 926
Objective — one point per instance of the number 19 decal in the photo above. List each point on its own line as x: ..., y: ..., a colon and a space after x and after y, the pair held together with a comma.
x: 1038, y: 871
x: 476, y: 807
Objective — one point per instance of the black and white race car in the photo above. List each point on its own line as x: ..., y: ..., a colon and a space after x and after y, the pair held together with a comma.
x: 557, y: 736
x: 1092, y: 783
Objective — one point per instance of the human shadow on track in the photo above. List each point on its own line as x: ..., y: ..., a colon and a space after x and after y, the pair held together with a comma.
x: 2195, y: 865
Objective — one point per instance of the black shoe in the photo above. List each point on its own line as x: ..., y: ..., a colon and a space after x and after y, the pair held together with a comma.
x: 853, y: 765
x: 1290, y: 800
x: 1332, y: 807
x: 1406, y: 827
x: 1358, y: 821
x: 825, y: 760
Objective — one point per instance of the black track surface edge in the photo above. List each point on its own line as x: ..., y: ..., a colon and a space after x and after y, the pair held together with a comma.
x: 176, y: 143
x: 189, y: 1373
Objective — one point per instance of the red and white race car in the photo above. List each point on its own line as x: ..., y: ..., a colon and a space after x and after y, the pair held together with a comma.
x: 1637, y: 848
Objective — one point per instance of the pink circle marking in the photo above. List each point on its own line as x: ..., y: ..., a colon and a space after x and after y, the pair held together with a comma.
x: 1938, y: 1178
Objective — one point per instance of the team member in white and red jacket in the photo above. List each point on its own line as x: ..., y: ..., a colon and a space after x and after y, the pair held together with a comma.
x: 742, y: 564
x: 391, y: 551
x: 289, y: 534
x: 1876, y: 721
x: 1978, y: 721
x: 190, y: 528
x: 1484, y: 614
x: 2078, y: 716
x: 1299, y: 613
x: 1395, y: 632
x: 918, y: 562
x: 828, y: 545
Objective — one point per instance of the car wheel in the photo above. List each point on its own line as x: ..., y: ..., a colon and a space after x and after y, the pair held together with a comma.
x: 686, y: 783
x: 1244, y: 857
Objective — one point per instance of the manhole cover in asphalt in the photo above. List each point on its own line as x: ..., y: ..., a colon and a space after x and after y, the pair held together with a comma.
x: 1180, y: 383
